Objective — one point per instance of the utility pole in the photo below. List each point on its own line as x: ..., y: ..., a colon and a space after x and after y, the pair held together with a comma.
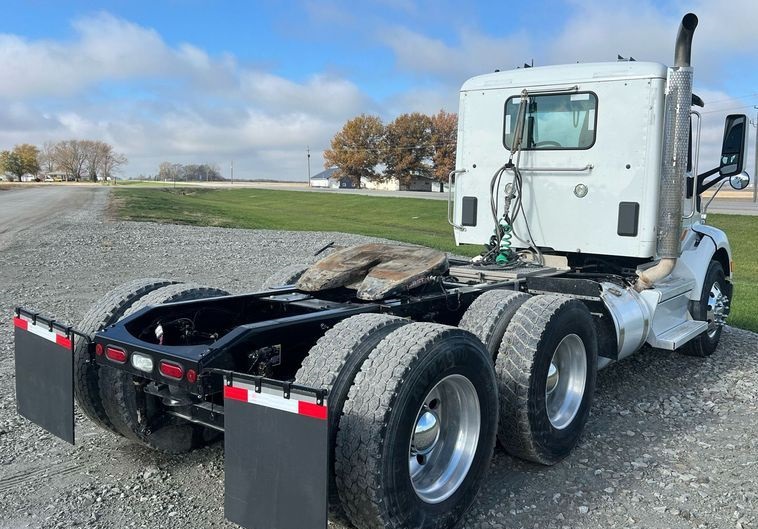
x: 755, y: 153
x: 308, y: 150
x: 231, y: 171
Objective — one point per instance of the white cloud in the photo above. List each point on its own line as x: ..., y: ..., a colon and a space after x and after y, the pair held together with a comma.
x: 123, y: 83
x: 474, y: 54
x: 169, y: 103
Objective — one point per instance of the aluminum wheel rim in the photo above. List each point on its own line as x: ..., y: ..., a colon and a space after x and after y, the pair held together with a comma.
x: 444, y: 439
x: 566, y: 379
x: 715, y: 313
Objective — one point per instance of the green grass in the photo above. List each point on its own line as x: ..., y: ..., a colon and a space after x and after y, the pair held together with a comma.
x: 410, y: 220
x: 742, y: 231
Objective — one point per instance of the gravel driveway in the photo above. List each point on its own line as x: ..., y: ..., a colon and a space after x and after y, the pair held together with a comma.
x: 672, y: 441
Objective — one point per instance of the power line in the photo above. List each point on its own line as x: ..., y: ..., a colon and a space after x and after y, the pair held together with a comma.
x: 731, y: 98
x: 728, y: 109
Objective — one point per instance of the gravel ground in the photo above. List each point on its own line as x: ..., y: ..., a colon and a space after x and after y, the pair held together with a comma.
x: 672, y: 440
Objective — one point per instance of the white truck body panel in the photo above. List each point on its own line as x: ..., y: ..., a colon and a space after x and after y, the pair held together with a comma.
x: 629, y: 129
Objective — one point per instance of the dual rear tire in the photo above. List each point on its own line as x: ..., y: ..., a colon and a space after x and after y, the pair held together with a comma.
x: 546, y: 371
x: 416, y: 407
x: 544, y: 350
x: 113, y: 399
x: 414, y: 419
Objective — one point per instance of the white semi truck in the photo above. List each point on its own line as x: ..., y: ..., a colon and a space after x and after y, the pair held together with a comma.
x: 375, y: 382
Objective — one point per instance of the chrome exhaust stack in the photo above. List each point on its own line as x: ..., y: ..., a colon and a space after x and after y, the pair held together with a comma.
x: 674, y: 156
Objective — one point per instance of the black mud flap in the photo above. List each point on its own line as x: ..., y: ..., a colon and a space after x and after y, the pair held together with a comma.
x: 45, y: 373
x: 276, y: 454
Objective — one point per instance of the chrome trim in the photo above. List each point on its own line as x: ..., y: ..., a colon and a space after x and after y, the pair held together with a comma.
x: 588, y: 167
x: 450, y: 199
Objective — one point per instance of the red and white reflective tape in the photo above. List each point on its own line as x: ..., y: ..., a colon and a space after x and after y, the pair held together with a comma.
x: 42, y: 331
x: 268, y: 400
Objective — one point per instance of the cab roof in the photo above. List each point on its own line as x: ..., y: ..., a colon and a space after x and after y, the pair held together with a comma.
x: 566, y: 73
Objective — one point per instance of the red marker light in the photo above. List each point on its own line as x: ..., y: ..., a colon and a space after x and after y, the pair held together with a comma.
x: 116, y: 354
x: 99, y: 349
x: 191, y: 376
x: 171, y: 370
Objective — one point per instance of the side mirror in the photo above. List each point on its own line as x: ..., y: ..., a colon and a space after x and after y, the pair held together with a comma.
x: 734, y: 147
x: 739, y: 181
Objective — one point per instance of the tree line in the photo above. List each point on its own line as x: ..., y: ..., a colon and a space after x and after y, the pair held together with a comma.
x: 413, y: 145
x: 176, y: 172
x: 75, y: 159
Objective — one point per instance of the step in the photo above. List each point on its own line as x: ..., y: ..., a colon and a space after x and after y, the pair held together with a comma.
x: 679, y: 335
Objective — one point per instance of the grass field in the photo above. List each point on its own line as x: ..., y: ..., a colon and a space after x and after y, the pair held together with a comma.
x: 742, y: 231
x: 410, y: 220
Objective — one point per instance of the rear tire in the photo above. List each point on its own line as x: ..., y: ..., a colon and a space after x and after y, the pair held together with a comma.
x: 120, y: 397
x: 489, y: 315
x: 423, y: 383
x: 715, y: 291
x: 106, y: 311
x: 546, y: 372
x: 334, y: 362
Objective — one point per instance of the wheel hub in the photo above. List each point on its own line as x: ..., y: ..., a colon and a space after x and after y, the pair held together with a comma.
x: 426, y: 434
x: 566, y: 378
x: 553, y: 375
x: 718, y: 309
x: 444, y: 439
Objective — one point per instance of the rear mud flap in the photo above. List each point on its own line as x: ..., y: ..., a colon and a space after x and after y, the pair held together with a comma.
x: 276, y: 454
x: 45, y: 373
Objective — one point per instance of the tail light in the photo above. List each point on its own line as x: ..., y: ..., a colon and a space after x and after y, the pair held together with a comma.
x: 171, y: 370
x: 116, y: 354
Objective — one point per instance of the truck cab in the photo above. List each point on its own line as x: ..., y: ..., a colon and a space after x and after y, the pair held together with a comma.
x: 591, y: 160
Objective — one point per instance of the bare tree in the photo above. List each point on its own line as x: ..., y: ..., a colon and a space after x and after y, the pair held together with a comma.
x: 70, y: 157
x: 46, y: 157
x: 168, y: 171
x: 111, y: 162
x: 95, y: 159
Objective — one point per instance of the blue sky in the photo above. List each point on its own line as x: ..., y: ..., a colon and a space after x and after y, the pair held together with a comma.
x: 201, y: 81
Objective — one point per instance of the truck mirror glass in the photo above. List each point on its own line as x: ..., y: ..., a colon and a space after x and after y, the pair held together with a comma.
x: 739, y: 181
x: 733, y: 147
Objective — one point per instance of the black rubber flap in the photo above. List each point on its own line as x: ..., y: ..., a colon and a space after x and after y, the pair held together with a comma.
x: 276, y: 457
x: 45, y: 377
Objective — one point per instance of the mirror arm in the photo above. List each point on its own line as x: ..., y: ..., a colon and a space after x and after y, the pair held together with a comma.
x: 701, y: 178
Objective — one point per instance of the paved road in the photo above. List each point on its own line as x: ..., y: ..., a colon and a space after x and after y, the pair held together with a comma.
x: 734, y: 206
x: 21, y: 209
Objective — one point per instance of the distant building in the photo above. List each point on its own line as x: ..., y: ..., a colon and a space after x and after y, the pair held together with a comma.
x: 417, y: 183
x: 327, y: 179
